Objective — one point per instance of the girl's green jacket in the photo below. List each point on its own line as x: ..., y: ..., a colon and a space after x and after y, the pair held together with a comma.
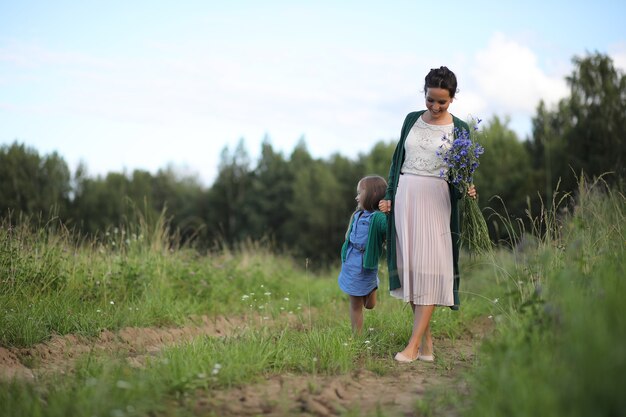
x: 394, y: 175
x: 375, y: 240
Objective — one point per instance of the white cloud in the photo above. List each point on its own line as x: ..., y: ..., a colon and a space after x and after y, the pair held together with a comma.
x: 510, y: 79
x: 618, y: 55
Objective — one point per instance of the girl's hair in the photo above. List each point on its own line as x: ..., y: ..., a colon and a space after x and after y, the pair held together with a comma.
x: 373, y: 188
x: 441, y: 77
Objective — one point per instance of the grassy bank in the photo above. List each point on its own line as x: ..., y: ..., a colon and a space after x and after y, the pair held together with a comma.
x: 560, y: 346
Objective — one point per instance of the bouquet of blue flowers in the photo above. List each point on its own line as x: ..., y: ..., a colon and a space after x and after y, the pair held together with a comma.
x: 460, y: 154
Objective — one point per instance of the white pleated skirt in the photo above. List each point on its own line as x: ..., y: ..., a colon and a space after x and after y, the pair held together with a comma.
x: 423, y: 241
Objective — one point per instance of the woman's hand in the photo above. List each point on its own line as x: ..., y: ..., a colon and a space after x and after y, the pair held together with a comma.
x: 471, y: 191
x: 384, y: 206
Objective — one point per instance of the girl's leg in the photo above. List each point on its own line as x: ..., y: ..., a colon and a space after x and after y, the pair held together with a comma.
x: 356, y: 313
x: 370, y: 300
x: 421, y: 322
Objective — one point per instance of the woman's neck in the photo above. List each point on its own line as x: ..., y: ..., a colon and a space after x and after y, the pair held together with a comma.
x: 444, y: 119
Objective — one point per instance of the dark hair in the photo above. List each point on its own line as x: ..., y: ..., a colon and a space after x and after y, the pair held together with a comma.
x: 441, y: 77
x: 374, y: 188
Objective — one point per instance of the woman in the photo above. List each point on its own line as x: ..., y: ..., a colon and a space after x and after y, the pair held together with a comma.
x: 423, y: 228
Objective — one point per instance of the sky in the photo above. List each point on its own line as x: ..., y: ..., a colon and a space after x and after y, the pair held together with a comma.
x: 125, y: 85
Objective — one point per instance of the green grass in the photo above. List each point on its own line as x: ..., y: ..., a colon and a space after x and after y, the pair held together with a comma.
x: 55, y: 283
x: 560, y: 348
x: 51, y: 285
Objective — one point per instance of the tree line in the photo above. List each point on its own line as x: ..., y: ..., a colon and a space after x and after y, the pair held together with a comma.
x: 301, y: 204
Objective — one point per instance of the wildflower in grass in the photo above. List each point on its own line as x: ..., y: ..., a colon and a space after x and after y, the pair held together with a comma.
x: 286, y: 298
x: 244, y: 297
x: 268, y: 293
x: 216, y: 369
x: 112, y: 302
x: 460, y: 154
x: 123, y: 384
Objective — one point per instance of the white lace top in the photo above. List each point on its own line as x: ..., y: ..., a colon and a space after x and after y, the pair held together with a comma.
x: 421, y: 146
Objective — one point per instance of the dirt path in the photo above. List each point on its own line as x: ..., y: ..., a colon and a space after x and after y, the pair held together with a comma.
x: 362, y: 393
x: 395, y: 393
x: 61, y: 352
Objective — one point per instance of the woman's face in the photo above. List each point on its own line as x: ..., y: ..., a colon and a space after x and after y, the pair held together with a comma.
x: 437, y: 102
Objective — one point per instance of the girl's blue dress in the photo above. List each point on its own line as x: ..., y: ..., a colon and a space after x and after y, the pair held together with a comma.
x: 353, y: 278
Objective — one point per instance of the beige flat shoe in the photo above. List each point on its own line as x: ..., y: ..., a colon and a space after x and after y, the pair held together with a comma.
x: 400, y: 357
x: 425, y: 358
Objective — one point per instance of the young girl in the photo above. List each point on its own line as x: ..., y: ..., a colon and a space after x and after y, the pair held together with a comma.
x: 362, y: 249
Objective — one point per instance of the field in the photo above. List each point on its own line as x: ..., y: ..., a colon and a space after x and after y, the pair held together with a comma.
x: 133, y: 324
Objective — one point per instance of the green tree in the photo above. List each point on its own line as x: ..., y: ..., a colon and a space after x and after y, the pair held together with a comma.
x: 180, y: 195
x: 31, y: 184
x: 100, y: 203
x: 547, y: 149
x: 226, y: 214
x: 597, y: 114
x: 503, y: 175
x: 316, y: 225
x: 378, y: 160
x: 584, y: 133
x: 271, y: 195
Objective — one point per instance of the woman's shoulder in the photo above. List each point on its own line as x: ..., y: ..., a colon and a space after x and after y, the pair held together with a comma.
x: 412, y: 117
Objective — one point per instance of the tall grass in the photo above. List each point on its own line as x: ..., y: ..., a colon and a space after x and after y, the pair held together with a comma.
x: 53, y: 282
x: 137, y: 275
x: 560, y: 348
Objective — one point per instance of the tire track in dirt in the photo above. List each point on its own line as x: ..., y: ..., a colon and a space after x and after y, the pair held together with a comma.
x: 135, y: 343
x: 362, y: 392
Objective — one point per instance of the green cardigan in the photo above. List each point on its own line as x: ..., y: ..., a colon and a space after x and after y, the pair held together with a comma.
x: 394, y: 175
x: 375, y: 238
